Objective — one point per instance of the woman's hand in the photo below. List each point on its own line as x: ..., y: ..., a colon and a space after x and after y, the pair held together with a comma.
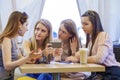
x: 73, y: 45
x: 48, y: 50
x: 72, y: 59
x: 31, y: 61
x: 33, y: 56
x: 75, y: 58
x: 58, y: 52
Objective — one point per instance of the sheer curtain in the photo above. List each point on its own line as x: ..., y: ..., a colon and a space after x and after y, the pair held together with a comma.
x: 6, y: 9
x: 0, y: 20
x: 33, y: 8
x: 109, y: 14
x: 0, y: 24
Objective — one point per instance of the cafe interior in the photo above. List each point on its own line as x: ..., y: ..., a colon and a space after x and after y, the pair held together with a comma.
x: 58, y: 10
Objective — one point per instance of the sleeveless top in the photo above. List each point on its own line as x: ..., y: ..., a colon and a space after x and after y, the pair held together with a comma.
x: 7, y: 75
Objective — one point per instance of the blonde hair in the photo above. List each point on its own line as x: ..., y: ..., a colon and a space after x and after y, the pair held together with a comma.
x: 48, y: 25
x: 12, y: 26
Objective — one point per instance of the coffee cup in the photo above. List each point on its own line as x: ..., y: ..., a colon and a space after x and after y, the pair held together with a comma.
x: 83, y: 55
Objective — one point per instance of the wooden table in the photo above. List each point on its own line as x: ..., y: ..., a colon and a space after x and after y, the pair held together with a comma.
x: 56, y: 68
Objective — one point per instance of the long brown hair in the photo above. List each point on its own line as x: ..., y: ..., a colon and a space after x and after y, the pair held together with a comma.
x: 12, y: 26
x: 48, y: 25
x: 70, y: 26
x: 97, y: 26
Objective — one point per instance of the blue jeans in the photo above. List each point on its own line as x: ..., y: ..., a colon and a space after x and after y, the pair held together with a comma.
x: 41, y: 76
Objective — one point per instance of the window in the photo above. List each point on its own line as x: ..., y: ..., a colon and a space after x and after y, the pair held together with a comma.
x: 57, y: 10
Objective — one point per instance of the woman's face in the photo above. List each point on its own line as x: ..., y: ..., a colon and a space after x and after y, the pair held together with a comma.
x: 63, y: 34
x: 86, y: 25
x: 23, y: 29
x: 41, y: 32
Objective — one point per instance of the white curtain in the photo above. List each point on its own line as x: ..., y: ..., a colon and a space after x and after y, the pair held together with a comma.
x: 33, y: 8
x: 109, y: 14
x: 6, y: 9
x: 0, y: 20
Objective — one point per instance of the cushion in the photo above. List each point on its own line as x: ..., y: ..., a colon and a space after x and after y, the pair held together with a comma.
x: 26, y: 78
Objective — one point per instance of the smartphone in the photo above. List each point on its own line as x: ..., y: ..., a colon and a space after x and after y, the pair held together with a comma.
x: 56, y: 44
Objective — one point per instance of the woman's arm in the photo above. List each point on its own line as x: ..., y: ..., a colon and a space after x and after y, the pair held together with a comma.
x: 26, y: 47
x: 7, y: 58
x: 101, y: 49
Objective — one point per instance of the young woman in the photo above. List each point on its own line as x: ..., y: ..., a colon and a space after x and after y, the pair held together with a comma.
x: 41, y: 38
x: 70, y: 41
x: 100, y: 46
x: 40, y: 43
x: 9, y: 52
x: 70, y: 45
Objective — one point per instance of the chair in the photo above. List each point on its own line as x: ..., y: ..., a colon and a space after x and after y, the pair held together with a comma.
x: 116, y: 50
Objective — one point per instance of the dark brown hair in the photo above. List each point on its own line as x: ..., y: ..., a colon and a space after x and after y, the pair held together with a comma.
x: 97, y: 26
